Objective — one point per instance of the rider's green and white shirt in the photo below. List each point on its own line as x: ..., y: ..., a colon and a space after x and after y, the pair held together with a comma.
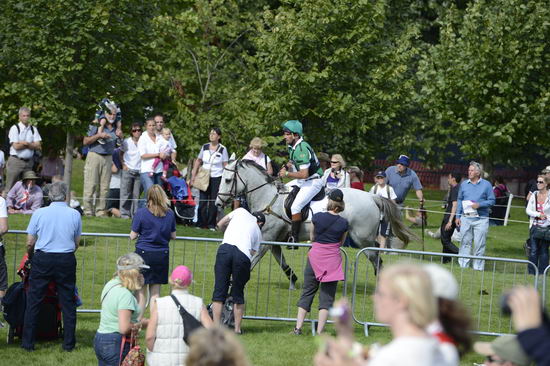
x: 302, y: 156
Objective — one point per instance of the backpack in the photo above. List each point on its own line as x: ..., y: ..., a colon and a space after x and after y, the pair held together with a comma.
x: 7, y: 144
x: 14, y: 303
x: 387, y: 189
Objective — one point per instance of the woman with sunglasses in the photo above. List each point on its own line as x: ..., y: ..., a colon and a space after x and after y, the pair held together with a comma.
x: 130, y: 185
x: 336, y: 177
x: 538, y: 210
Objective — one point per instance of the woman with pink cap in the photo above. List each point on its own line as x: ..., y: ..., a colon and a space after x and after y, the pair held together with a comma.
x: 165, y: 345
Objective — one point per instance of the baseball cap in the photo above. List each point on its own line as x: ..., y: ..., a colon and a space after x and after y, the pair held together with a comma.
x: 293, y: 126
x: 403, y: 160
x: 381, y: 173
x: 506, y: 347
x: 336, y: 195
x: 130, y: 261
x: 182, y: 276
x: 444, y: 284
x: 260, y: 217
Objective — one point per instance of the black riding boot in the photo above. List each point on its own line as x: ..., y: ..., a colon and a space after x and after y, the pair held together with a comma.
x: 295, y: 234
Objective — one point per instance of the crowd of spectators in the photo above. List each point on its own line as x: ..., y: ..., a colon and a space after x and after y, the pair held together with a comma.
x: 429, y: 325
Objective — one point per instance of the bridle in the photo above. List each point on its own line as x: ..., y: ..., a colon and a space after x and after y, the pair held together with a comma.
x: 233, y: 191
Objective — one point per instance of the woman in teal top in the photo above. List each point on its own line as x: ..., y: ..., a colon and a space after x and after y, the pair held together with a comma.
x: 119, y: 310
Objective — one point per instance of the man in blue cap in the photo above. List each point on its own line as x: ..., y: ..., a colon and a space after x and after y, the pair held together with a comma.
x: 402, y: 179
x: 304, y: 167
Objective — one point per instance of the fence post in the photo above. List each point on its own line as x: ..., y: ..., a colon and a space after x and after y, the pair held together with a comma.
x: 508, y: 205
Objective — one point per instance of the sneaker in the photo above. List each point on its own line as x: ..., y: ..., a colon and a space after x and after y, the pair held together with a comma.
x: 296, y: 331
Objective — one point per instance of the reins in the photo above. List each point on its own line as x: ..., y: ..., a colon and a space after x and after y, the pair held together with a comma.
x: 233, y: 192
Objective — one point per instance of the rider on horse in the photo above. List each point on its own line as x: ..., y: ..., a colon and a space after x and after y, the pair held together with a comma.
x: 304, y: 168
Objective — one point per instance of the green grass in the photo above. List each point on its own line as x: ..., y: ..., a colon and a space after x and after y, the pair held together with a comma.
x: 267, y: 342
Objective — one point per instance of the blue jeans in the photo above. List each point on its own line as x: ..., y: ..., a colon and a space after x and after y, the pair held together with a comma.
x: 473, y: 229
x: 538, y: 254
x: 147, y: 182
x: 107, y: 349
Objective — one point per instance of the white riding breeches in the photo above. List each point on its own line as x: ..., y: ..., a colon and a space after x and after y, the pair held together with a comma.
x: 308, y: 190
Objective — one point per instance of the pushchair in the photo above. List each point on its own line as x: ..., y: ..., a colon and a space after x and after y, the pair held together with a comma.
x: 180, y: 196
x: 49, y: 325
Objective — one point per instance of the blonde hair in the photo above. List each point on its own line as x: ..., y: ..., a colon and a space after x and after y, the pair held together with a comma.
x: 256, y: 143
x: 355, y: 170
x: 215, y: 347
x: 166, y: 130
x: 412, y: 284
x: 335, y: 206
x: 157, y: 201
x: 176, y: 285
x: 340, y: 159
x: 131, y: 279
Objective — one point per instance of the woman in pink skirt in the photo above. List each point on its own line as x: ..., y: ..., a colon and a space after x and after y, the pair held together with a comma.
x: 324, y: 264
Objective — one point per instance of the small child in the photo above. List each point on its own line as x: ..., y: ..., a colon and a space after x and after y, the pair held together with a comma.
x: 165, y: 148
x: 383, y: 189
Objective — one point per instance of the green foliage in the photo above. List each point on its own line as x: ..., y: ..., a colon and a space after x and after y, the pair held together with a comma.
x: 61, y: 57
x: 485, y: 87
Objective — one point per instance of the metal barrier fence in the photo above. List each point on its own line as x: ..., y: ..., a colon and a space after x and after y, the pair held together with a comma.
x: 545, y: 283
x: 479, y: 291
x: 268, y: 294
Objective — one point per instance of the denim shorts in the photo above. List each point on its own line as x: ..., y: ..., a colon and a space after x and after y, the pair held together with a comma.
x: 107, y: 349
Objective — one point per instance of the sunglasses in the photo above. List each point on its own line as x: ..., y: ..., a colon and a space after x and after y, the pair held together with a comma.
x: 136, y: 130
x: 540, y: 182
x: 334, y: 162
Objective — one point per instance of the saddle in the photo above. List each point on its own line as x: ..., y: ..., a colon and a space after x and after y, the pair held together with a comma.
x: 305, y: 211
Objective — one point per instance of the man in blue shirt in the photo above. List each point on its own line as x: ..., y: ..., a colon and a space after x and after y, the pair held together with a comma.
x: 53, y: 236
x: 475, y: 198
x: 402, y: 178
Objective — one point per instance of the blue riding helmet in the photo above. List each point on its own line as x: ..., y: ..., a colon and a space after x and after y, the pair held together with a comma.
x: 293, y: 126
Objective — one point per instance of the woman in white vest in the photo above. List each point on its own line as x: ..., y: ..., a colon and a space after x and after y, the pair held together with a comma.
x: 165, y: 345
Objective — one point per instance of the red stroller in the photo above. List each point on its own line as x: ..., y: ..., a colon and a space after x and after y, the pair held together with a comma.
x: 181, y: 198
x: 49, y: 325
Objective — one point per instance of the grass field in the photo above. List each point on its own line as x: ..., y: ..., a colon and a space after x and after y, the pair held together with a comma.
x: 266, y: 342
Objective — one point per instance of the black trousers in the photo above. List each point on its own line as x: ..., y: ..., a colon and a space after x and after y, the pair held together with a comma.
x: 448, y: 246
x: 208, y: 212
x: 47, y: 267
x: 310, y: 287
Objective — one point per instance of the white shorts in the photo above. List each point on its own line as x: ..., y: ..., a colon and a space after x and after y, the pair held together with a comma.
x: 308, y: 190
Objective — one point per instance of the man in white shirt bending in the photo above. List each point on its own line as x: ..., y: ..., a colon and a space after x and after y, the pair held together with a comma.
x: 241, y: 241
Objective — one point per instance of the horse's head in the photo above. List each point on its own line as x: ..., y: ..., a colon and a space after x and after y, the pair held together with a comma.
x: 231, y: 185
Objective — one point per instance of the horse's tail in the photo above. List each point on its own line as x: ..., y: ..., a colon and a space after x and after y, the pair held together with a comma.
x: 393, y: 215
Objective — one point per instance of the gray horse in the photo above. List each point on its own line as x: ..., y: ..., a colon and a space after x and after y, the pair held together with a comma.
x: 363, y: 211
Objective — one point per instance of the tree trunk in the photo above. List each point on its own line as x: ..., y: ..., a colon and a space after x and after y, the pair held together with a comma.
x: 69, y: 163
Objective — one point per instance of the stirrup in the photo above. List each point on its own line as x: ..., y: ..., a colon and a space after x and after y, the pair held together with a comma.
x: 291, y: 240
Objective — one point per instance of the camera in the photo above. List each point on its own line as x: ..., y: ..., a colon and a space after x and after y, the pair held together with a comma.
x: 504, y: 307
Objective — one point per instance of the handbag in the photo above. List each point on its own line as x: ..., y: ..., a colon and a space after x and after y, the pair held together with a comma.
x: 135, y: 356
x: 540, y: 233
x: 190, y: 323
x: 202, y: 179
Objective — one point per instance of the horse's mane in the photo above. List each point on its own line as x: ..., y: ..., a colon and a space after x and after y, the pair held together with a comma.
x: 253, y: 164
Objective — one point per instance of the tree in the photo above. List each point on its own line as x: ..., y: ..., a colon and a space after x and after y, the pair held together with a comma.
x: 61, y: 57
x: 485, y: 87
x: 341, y: 67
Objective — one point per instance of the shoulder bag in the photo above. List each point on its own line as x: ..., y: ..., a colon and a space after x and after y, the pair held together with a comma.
x: 202, y: 179
x: 538, y: 232
x: 190, y: 323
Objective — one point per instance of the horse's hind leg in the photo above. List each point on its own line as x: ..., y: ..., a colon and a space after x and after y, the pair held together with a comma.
x: 376, y: 260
